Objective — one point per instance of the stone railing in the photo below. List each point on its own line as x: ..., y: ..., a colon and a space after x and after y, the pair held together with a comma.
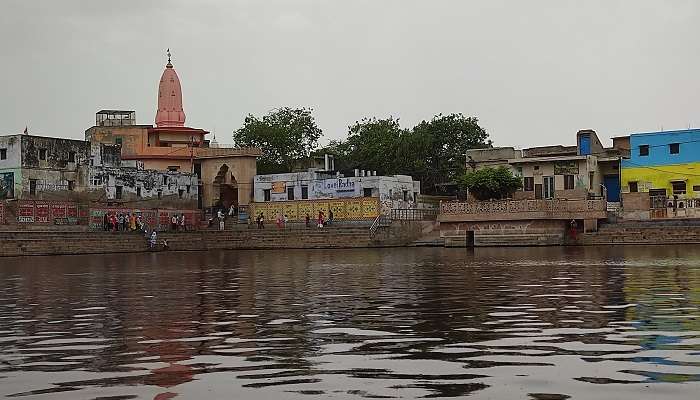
x: 522, y: 209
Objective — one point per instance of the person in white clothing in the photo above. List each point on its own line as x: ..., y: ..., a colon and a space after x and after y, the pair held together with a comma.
x: 221, y: 217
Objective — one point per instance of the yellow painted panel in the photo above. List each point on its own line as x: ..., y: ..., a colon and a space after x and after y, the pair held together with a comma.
x: 290, y: 210
x: 370, y: 207
x: 354, y: 209
x: 338, y: 208
x: 304, y: 208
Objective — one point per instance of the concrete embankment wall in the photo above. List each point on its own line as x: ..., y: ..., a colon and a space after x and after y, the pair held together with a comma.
x: 73, y: 242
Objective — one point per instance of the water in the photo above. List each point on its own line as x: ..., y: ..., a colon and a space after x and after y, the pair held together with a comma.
x: 551, y: 323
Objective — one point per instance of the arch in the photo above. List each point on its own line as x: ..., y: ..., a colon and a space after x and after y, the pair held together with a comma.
x: 226, y: 187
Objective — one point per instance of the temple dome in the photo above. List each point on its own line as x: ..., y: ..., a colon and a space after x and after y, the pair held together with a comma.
x: 170, y: 111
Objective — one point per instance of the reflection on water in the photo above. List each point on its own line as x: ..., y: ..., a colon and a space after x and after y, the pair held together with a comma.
x: 548, y: 323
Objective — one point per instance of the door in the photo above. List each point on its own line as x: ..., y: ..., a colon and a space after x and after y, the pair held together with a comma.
x: 538, y: 191
x: 584, y: 145
x: 612, y: 187
x: 548, y: 187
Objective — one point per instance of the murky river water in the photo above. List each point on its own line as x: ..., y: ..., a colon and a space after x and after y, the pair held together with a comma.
x: 589, y: 323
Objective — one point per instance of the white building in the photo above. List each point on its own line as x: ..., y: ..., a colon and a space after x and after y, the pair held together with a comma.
x: 394, y: 192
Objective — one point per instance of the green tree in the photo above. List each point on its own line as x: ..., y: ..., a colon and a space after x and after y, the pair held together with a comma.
x: 435, y: 151
x: 284, y: 135
x: 490, y: 183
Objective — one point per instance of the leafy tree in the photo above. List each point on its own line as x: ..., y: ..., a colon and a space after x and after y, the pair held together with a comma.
x: 435, y: 150
x: 284, y: 136
x: 490, y: 183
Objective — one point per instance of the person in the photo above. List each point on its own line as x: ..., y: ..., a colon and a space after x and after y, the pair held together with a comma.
x: 320, y: 219
x: 231, y: 211
x: 220, y: 214
x: 286, y: 220
x: 132, y: 222
x: 139, y: 222
x: 308, y: 220
x: 261, y: 221
x: 113, y: 222
x: 173, y: 222
x: 278, y: 220
x: 153, y: 239
x: 165, y: 244
x: 573, y: 229
x: 330, y: 217
x: 105, y: 222
x: 121, y: 222
x: 181, y: 222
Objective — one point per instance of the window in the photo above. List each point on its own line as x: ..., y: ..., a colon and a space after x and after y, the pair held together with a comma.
x: 367, y: 192
x: 173, y: 168
x: 118, y: 140
x: 696, y: 188
x: 568, y: 182
x: 674, y: 148
x: 32, y: 187
x: 644, y: 150
x: 165, y: 179
x: 138, y: 191
x: 71, y: 185
x: 188, y: 189
x: 290, y: 193
x: 536, y: 167
x: 678, y: 187
x: 634, y: 187
x: 266, y: 194
x: 528, y: 184
x: 118, y: 192
x: 405, y: 195
x: 42, y: 154
x: 548, y: 182
x: 3, y: 154
x: 591, y: 175
x: 304, y: 192
x: 160, y: 194
x: 97, y: 181
x: 71, y: 156
x: 180, y: 192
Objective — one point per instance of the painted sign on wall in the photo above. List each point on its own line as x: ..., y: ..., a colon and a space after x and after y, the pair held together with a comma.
x: 569, y: 167
x: 339, y: 184
x: 279, y: 187
x: 7, y: 185
x: 48, y: 212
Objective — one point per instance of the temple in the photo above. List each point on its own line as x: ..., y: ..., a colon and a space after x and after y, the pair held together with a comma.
x: 225, y: 173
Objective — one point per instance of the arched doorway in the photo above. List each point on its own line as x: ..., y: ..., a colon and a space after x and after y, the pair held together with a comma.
x: 226, y: 187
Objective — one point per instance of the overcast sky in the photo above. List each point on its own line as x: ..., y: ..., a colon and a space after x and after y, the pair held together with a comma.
x: 533, y: 72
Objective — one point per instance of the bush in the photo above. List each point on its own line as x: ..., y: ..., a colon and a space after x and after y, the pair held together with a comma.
x: 490, y: 183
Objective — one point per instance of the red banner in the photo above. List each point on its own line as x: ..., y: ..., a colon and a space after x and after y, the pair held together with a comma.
x: 72, y: 211
x: 25, y: 211
x: 58, y: 210
x: 42, y: 212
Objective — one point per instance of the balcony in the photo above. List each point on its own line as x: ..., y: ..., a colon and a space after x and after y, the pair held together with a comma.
x: 512, y: 210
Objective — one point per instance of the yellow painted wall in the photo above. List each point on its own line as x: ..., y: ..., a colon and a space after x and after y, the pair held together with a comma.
x: 660, y: 177
x: 349, y: 209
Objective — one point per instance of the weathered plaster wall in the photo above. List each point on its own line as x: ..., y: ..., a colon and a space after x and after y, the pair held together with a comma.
x: 143, y: 187
x: 134, y: 138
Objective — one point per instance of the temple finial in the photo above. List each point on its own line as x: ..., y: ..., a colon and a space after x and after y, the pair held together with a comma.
x: 168, y: 53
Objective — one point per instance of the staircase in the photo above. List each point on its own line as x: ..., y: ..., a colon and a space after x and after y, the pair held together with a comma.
x: 646, y: 233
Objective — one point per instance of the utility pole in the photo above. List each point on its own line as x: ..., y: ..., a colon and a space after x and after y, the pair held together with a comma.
x: 192, y: 154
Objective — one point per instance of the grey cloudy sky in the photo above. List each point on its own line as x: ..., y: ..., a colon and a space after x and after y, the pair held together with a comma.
x: 533, y: 72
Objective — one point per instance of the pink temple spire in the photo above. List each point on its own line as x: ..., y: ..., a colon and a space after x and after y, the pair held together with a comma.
x: 170, y: 111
